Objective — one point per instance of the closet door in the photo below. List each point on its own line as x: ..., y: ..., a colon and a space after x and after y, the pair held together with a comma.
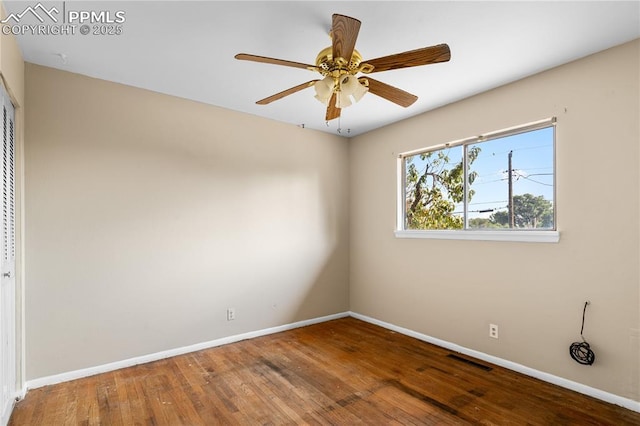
x: 8, y: 254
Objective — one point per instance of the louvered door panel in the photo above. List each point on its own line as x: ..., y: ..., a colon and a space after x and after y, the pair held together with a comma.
x: 7, y: 264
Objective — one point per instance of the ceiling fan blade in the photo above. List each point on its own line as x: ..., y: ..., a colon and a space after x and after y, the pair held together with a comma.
x: 344, y: 33
x: 332, y: 111
x: 412, y: 58
x: 287, y: 92
x: 266, y: 60
x: 390, y: 93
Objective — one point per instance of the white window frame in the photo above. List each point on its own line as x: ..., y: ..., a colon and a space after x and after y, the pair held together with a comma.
x: 520, y: 235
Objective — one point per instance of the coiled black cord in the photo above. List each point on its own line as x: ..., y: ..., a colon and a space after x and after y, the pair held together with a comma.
x: 580, y: 351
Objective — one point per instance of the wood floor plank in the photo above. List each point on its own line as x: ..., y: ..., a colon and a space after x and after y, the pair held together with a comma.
x: 342, y: 372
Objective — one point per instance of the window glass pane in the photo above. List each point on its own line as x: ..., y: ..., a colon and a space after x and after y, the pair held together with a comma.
x: 529, y: 157
x: 433, y: 190
x: 509, y: 184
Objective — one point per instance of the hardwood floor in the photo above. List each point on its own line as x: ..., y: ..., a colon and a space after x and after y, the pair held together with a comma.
x: 341, y: 372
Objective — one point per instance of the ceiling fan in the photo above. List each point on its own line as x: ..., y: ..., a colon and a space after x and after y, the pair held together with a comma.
x: 340, y: 63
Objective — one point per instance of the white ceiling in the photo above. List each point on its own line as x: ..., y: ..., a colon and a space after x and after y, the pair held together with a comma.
x: 187, y: 49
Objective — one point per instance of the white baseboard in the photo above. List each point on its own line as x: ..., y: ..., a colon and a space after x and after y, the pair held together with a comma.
x: 546, y: 377
x: 541, y: 375
x: 85, y: 372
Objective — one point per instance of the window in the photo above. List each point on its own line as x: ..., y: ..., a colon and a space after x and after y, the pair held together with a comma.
x: 495, y: 186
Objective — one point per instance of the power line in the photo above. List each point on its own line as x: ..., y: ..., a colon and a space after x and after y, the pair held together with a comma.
x: 535, y: 181
x: 488, y: 202
x: 516, y: 171
x: 538, y: 168
x: 477, y: 211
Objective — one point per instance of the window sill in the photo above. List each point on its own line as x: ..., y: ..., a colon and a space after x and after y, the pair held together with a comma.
x: 518, y: 236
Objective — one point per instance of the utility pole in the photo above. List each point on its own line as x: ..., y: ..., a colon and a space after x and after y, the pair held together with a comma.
x: 511, y: 207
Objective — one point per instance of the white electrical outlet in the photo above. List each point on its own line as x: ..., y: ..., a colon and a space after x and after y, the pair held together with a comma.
x: 493, y: 331
x: 231, y: 314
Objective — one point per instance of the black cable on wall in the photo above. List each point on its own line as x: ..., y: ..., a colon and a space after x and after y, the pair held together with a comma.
x: 580, y: 351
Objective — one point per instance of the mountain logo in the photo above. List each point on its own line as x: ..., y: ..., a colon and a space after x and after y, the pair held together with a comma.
x: 38, y: 11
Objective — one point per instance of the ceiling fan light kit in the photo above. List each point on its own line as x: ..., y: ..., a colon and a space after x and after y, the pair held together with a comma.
x: 324, y: 89
x: 345, y: 87
x: 340, y: 63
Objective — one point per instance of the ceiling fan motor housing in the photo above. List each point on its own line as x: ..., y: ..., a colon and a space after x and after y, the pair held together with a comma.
x: 328, y: 65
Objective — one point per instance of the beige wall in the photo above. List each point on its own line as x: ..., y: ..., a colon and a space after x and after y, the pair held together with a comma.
x: 452, y: 290
x: 12, y: 72
x: 148, y: 215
